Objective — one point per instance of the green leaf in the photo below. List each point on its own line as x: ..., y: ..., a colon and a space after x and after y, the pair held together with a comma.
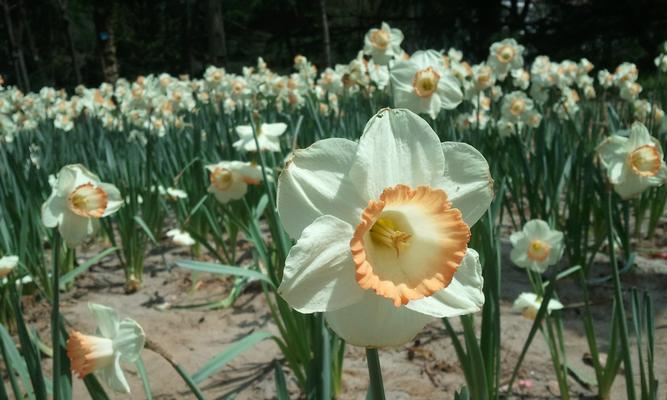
x: 14, y: 361
x: 223, y: 270
x: 219, y: 361
x: 141, y: 368
x: 146, y: 229
x: 70, y: 276
x: 94, y: 387
x: 281, y: 385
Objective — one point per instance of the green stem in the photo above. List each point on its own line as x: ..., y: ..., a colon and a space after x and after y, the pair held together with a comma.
x: 376, y: 388
x: 55, y: 313
x: 618, y: 295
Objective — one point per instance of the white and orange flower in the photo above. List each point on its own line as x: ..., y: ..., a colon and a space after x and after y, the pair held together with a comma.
x: 423, y: 85
x: 383, y: 44
x: 537, y: 246
x: 633, y: 163
x: 383, y: 227
x: 230, y: 179
x: 115, y: 341
x: 78, y: 201
x: 528, y: 304
x: 7, y: 265
x: 505, y: 56
x: 268, y: 137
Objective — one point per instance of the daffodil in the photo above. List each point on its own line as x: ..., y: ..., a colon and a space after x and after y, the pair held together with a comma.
x: 516, y: 106
x: 268, y: 137
x: 537, y: 246
x: 505, y: 56
x: 383, y: 44
x: 230, y: 179
x: 383, y: 228
x: 79, y: 199
x: 423, y: 85
x: 633, y: 163
x: 115, y: 341
x: 528, y: 304
x: 181, y: 238
x: 7, y: 264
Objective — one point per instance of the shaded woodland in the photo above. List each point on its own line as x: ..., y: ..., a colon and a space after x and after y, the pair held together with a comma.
x: 66, y: 42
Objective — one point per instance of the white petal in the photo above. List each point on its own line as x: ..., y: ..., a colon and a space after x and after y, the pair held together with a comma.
x: 314, y: 184
x: 639, y: 136
x: 52, y: 210
x: 449, y: 92
x: 130, y: 340
x: 467, y: 180
x: 75, y: 228
x: 106, y: 318
x: 275, y: 130
x: 112, y: 374
x: 537, y: 229
x: 244, y: 131
x: 632, y: 186
x: 612, y: 152
x: 397, y: 147
x: 402, y: 74
x: 115, y: 200
x: 463, y: 295
x: 376, y: 322
x: 236, y: 191
x: 319, y: 272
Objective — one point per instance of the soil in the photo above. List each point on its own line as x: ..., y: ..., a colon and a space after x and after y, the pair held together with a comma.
x: 424, y: 369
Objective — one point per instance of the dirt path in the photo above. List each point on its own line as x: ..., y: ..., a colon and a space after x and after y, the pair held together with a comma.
x: 425, y: 369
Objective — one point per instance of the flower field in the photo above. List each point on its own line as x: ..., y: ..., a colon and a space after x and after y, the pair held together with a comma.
x: 400, y: 226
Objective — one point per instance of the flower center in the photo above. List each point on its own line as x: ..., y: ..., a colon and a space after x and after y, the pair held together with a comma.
x: 386, y: 232
x: 222, y: 178
x: 505, y: 54
x: 88, y: 353
x: 380, y: 39
x: 645, y: 160
x: 409, y: 243
x: 425, y: 82
x: 538, y: 250
x: 529, y: 313
x: 517, y: 107
x: 88, y: 201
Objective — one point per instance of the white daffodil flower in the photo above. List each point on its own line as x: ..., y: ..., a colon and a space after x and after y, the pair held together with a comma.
x: 633, y: 163
x: 175, y: 194
x: 383, y: 229
x: 528, y: 304
x: 79, y: 199
x: 230, y: 179
x: 115, y: 340
x: 181, y: 238
x: 268, y: 137
x: 7, y: 264
x: 537, y: 246
x: 423, y: 85
x: 383, y: 44
x: 505, y: 56
x: 516, y: 106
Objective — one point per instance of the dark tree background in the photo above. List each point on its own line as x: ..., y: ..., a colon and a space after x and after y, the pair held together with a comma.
x: 65, y: 42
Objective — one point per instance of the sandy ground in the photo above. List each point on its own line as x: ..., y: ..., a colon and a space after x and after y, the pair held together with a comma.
x: 425, y: 369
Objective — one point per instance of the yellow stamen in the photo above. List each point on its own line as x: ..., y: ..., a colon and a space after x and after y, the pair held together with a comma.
x: 385, y: 231
x: 380, y: 39
x: 221, y: 178
x: 425, y: 82
x: 538, y: 250
x: 505, y: 53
